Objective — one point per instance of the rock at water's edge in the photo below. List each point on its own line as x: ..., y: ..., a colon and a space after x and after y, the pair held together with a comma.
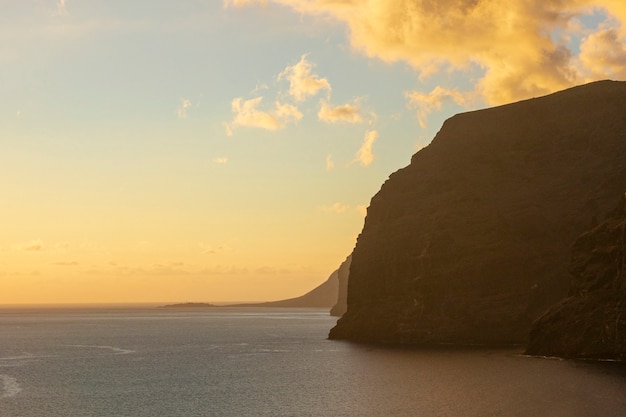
x: 591, y: 323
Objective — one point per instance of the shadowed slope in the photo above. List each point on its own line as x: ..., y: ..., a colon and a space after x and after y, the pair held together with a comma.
x: 591, y: 322
x: 470, y: 242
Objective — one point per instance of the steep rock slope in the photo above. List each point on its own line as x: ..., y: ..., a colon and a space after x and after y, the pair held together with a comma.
x: 470, y: 242
x: 591, y: 323
x: 343, y: 273
x: 322, y: 296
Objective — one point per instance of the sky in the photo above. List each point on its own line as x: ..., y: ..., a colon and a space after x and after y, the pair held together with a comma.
x: 208, y: 150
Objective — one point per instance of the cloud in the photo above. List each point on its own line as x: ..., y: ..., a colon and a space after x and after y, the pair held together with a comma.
x: 349, y: 113
x: 72, y: 263
x: 61, y: 8
x: 426, y: 103
x: 365, y: 156
x: 336, y: 208
x: 341, y: 208
x: 303, y: 83
x: 220, y: 160
x: 272, y: 270
x: 32, y: 246
x: 509, y: 47
x: 247, y: 114
x: 330, y: 163
x: 214, y: 250
x: 182, y: 109
x: 604, y: 54
x: 241, y: 3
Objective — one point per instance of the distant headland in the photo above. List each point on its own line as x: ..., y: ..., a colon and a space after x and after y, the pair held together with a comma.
x: 188, y: 305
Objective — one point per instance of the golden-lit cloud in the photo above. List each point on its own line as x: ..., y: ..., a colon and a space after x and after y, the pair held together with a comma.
x: 365, y: 155
x: 220, y: 160
x: 182, y: 108
x: 247, y: 114
x: 604, y: 54
x: 342, y: 208
x: 337, y: 208
x: 214, y: 250
x: 330, y: 163
x: 349, y: 113
x: 61, y: 8
x: 426, y: 103
x: 31, y: 246
x: 240, y: 3
x: 71, y: 263
x: 511, y: 45
x: 303, y: 83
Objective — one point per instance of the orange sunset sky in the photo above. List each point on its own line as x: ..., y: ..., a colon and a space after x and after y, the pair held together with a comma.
x: 199, y: 150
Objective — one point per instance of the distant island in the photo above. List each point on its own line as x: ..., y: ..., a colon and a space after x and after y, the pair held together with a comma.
x: 188, y: 305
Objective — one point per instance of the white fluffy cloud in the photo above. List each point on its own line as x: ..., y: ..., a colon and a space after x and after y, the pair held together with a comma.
x: 303, y: 83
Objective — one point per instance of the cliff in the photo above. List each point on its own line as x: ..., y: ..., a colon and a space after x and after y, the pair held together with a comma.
x: 343, y: 273
x: 591, y: 322
x: 470, y: 242
x: 322, y: 296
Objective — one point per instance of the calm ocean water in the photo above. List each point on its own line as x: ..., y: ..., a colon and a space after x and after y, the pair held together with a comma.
x: 270, y: 362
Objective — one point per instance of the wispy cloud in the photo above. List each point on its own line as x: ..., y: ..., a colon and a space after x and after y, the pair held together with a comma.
x: 336, y: 208
x: 248, y: 114
x: 240, y: 3
x: 71, y: 263
x: 348, y: 113
x: 182, y: 108
x: 220, y: 160
x: 61, y: 8
x: 214, y: 250
x: 426, y: 103
x: 36, y: 245
x: 330, y: 163
x: 365, y: 155
x: 342, y: 208
x: 303, y: 83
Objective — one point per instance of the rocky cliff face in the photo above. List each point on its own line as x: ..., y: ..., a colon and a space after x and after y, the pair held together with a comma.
x: 470, y: 242
x: 343, y: 273
x: 322, y: 296
x: 591, y: 322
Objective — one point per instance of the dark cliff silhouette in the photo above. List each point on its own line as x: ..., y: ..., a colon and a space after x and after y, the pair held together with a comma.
x: 591, y: 322
x: 343, y: 274
x: 470, y: 243
x: 324, y: 295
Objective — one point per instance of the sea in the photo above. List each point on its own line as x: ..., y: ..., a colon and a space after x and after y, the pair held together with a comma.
x: 157, y: 362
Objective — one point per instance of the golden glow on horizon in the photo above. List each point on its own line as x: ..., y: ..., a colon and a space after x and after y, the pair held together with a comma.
x: 219, y: 151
